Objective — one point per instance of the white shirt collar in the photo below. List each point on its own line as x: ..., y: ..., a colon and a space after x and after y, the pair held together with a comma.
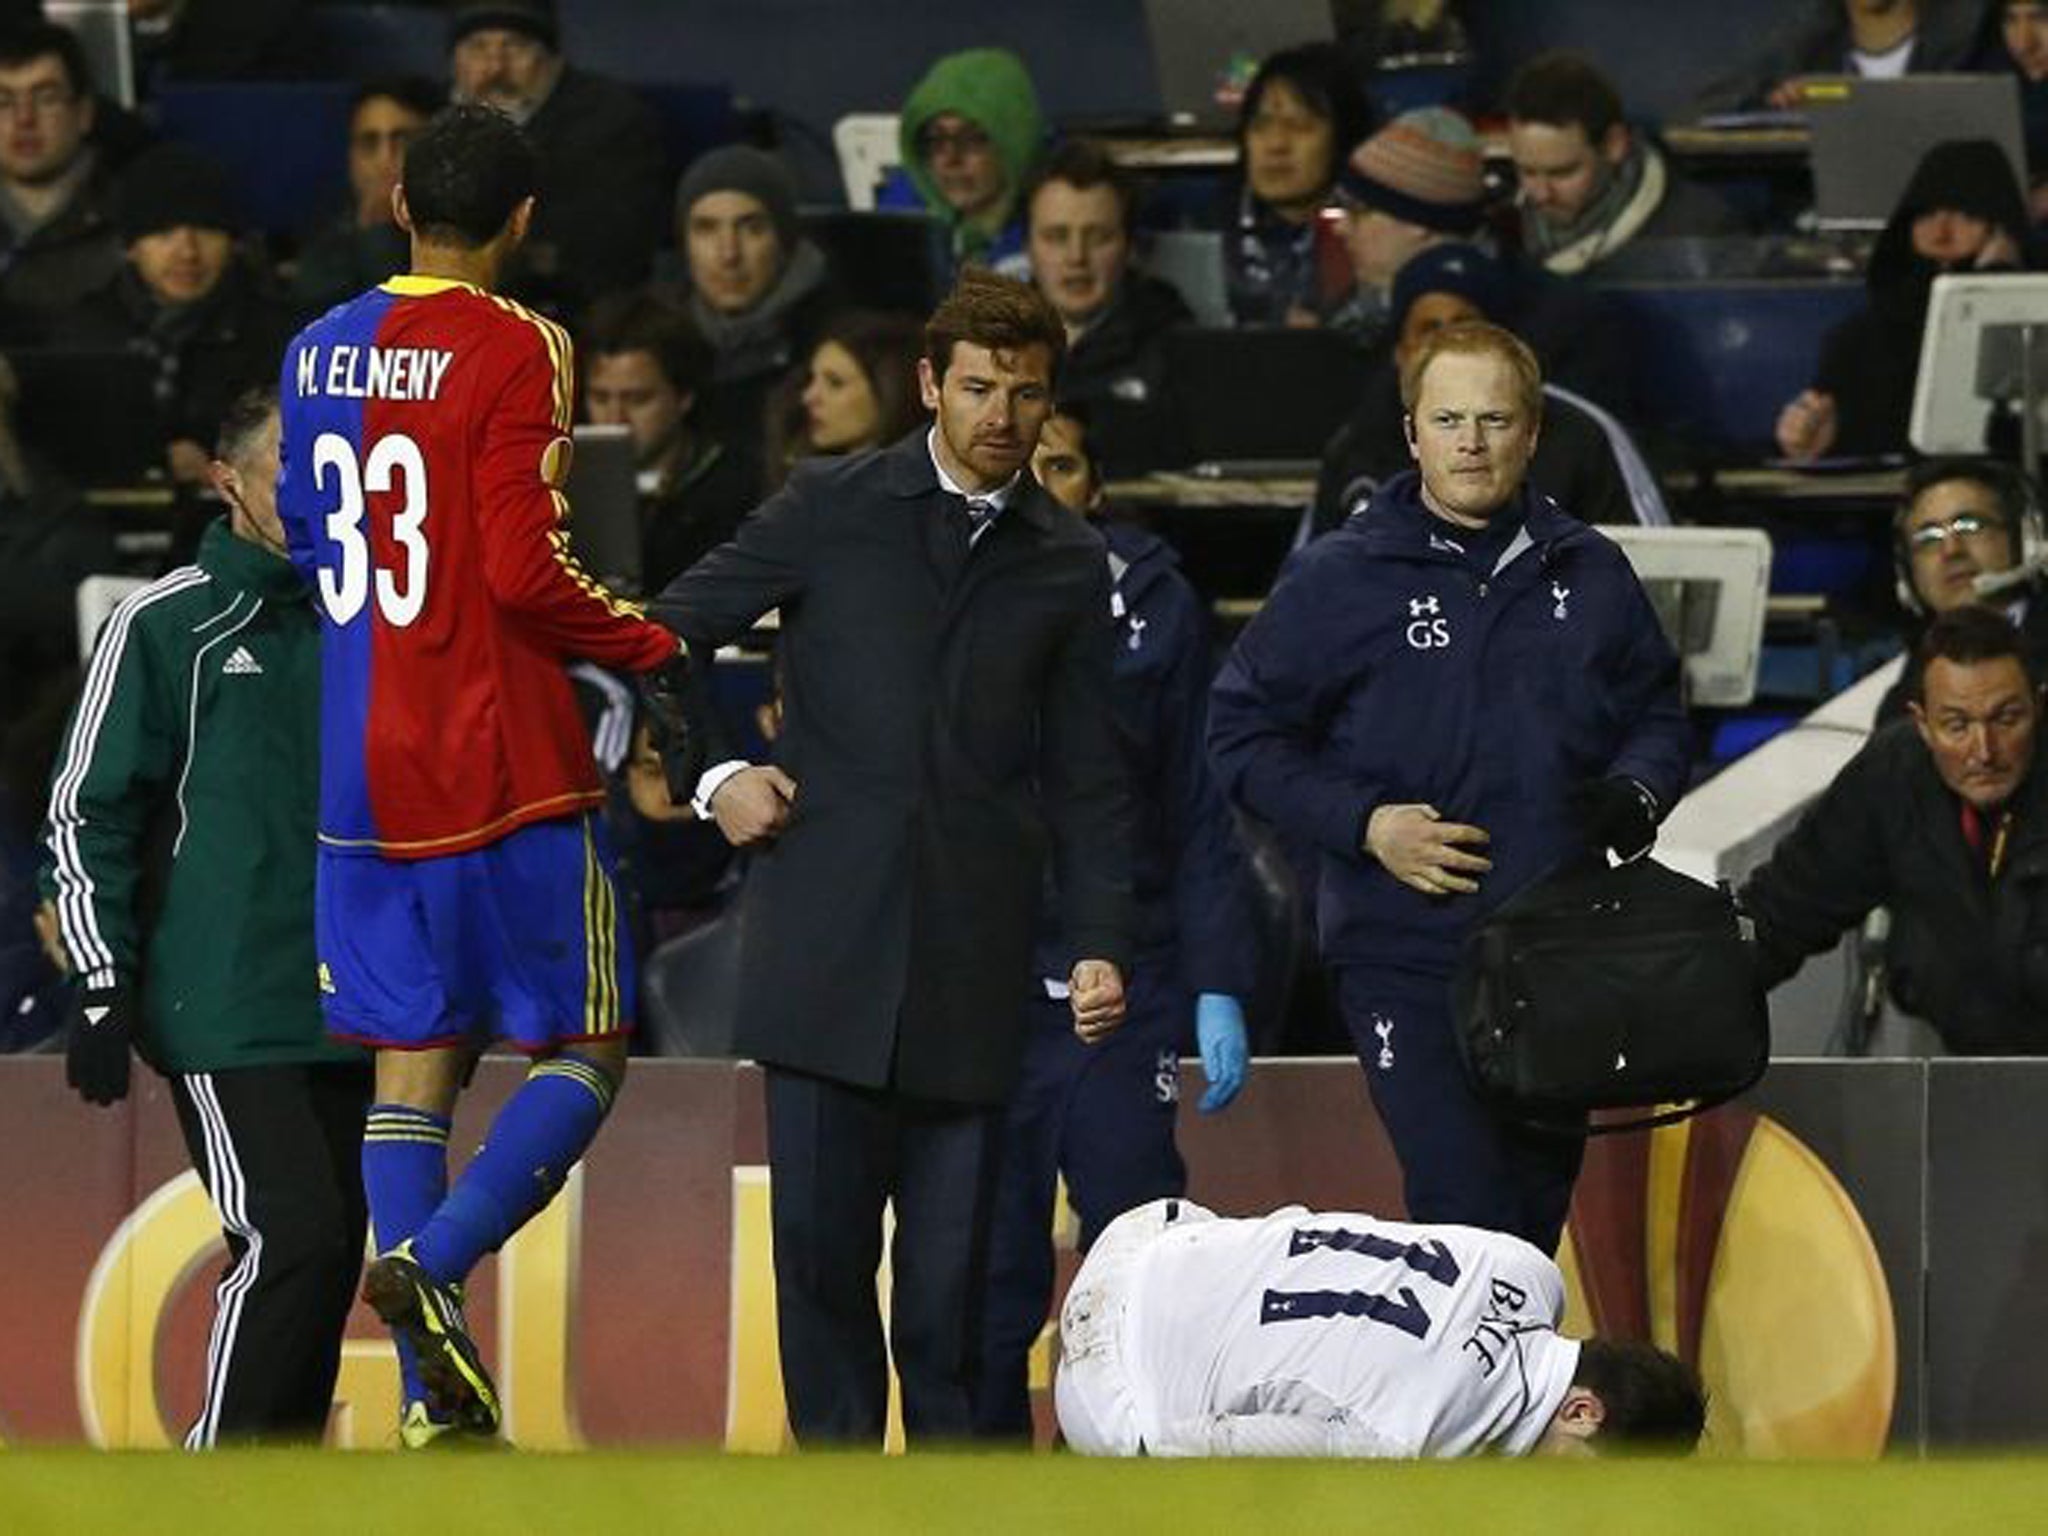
x: 998, y: 499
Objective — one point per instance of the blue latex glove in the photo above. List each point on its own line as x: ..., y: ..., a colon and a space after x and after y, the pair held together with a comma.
x: 1226, y: 1053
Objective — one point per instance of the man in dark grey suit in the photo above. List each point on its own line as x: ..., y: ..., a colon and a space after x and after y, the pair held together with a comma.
x: 945, y: 646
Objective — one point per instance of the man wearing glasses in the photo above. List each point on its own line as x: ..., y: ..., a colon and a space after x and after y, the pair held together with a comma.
x: 969, y: 132
x: 1961, y: 538
x: 1942, y: 820
x: 57, y: 239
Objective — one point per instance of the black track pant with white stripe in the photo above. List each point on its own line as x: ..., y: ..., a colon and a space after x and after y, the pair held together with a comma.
x: 280, y: 1151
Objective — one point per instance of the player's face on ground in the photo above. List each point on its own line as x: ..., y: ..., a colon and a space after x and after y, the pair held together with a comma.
x: 991, y: 406
x: 377, y: 136
x: 1471, y: 435
x: 841, y: 414
x: 182, y: 264
x: 1289, y: 148
x: 42, y: 121
x: 1979, y: 719
x: 504, y: 69
x: 1954, y: 532
x: 1574, y: 1427
x: 1430, y: 313
x: 1061, y: 464
x: 628, y: 389
x: 1561, y: 170
x: 962, y: 161
x: 1079, y: 248
x: 733, y: 250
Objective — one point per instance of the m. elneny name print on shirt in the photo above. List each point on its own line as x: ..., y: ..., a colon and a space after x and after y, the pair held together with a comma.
x: 373, y: 373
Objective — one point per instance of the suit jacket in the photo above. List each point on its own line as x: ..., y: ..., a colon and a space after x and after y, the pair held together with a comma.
x: 947, y: 720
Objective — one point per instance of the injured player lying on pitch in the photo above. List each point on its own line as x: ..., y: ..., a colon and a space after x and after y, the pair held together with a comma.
x: 1298, y: 1334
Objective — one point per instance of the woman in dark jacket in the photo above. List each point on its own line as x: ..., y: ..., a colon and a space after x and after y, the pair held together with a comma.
x: 1961, y: 212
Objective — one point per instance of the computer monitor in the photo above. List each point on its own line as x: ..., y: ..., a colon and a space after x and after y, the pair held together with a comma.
x: 604, y: 507
x: 1192, y: 261
x: 1206, y: 51
x: 102, y: 28
x: 1867, y: 136
x: 92, y: 412
x: 1709, y: 587
x: 1971, y: 356
x: 890, y: 260
x: 1265, y: 396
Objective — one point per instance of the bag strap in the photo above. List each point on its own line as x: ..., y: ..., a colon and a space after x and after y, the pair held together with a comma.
x: 1647, y: 1122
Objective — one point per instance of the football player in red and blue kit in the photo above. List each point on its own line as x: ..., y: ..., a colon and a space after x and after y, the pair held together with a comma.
x: 465, y: 889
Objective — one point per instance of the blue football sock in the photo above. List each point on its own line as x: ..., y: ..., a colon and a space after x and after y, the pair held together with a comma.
x: 536, y: 1139
x: 405, y: 1176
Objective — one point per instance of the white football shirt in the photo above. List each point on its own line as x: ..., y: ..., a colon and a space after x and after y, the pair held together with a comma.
x: 1392, y: 1339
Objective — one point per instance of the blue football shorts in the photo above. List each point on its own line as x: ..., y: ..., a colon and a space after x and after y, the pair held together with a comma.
x: 521, y: 941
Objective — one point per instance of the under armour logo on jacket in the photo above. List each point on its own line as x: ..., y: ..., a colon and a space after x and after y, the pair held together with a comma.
x: 241, y: 664
x: 1418, y: 606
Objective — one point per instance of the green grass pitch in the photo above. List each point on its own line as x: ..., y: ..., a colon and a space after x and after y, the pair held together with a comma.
x: 286, y: 1493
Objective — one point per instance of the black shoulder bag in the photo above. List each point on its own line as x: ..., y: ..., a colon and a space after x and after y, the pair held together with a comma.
x: 1606, y: 989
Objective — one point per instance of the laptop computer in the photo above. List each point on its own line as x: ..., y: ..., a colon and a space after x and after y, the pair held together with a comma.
x: 604, y: 507
x: 92, y: 413
x: 1206, y: 51
x: 1867, y: 136
x: 1259, y: 401
x: 1192, y: 260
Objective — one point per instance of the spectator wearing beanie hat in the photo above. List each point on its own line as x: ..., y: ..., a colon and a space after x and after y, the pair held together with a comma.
x: 199, y: 308
x: 1418, y: 182
x: 1590, y: 183
x: 600, y: 199
x: 758, y: 290
x: 1577, y: 464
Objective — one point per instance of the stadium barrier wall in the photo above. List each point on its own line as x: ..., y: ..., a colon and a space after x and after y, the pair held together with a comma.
x: 1847, y: 1254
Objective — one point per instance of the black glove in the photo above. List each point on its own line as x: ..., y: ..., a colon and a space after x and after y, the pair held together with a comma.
x: 1614, y: 813
x: 672, y: 726
x: 96, y: 1056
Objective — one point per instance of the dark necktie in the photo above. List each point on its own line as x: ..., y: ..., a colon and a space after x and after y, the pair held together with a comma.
x: 980, y: 513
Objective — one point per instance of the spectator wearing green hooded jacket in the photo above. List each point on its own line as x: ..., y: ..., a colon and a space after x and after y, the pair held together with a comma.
x: 971, y: 130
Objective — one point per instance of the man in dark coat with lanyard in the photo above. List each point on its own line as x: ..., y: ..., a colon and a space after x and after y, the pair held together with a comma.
x: 1457, y: 692
x: 945, y: 647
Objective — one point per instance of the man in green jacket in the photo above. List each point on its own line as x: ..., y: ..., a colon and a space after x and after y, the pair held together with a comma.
x: 180, y: 861
x: 969, y: 133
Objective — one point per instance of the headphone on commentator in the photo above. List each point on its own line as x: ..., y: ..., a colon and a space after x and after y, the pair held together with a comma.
x: 2018, y: 503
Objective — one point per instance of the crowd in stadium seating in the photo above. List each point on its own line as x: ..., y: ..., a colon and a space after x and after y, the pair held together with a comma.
x: 725, y: 324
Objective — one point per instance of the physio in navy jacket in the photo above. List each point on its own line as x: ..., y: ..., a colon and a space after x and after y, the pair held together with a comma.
x: 1456, y: 692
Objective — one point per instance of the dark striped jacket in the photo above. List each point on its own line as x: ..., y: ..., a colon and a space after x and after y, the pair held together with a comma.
x: 180, y: 842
